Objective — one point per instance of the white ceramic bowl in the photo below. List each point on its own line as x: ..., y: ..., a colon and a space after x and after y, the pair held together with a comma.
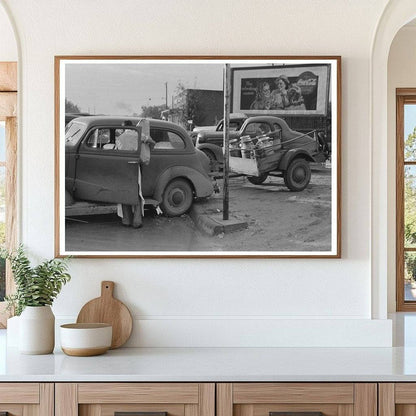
x: 83, y: 340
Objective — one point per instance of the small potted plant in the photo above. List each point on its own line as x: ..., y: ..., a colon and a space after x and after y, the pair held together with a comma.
x: 36, y: 289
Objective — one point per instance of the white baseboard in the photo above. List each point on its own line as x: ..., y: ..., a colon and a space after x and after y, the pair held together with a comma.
x: 253, y: 332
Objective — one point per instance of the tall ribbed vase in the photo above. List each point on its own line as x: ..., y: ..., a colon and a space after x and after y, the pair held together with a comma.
x: 37, y: 330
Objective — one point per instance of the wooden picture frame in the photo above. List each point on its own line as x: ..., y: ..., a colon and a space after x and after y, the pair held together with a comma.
x: 267, y: 221
x: 404, y: 96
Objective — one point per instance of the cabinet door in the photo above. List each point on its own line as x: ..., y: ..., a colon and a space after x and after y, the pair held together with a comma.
x: 26, y: 399
x: 144, y: 399
x: 297, y: 399
x: 397, y: 399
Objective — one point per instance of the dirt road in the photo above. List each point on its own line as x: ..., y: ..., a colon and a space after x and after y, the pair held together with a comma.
x: 278, y: 220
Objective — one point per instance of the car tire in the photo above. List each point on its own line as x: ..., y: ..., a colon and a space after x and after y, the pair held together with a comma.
x: 213, y: 163
x: 258, y: 180
x: 177, y: 198
x: 298, y: 175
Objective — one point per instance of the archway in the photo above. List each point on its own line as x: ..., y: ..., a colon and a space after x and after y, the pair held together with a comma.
x: 396, y: 14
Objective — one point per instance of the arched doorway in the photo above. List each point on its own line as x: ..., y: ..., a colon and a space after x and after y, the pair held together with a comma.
x: 396, y: 14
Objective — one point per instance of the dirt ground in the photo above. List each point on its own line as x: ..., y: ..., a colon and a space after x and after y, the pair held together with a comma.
x: 278, y: 220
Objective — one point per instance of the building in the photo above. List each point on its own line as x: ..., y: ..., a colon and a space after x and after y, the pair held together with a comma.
x: 195, y: 107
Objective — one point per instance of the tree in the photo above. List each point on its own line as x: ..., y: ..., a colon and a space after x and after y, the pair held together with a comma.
x: 152, y: 111
x: 187, y: 101
x: 410, y: 205
x: 70, y: 107
x: 410, y: 190
x: 410, y: 146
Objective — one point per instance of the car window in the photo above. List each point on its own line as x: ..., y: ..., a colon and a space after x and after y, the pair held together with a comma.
x: 127, y: 139
x: 98, y: 138
x: 234, y: 125
x: 166, y: 139
x: 73, y: 131
x: 120, y: 139
x: 257, y: 128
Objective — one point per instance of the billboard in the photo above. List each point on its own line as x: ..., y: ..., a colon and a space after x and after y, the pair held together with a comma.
x: 282, y: 90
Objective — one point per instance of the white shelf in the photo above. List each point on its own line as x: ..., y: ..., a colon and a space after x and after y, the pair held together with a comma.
x: 213, y: 364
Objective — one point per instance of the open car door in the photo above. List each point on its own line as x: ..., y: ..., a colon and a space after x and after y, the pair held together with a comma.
x: 107, y: 168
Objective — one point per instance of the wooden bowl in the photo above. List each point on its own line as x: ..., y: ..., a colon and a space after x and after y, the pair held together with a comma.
x: 84, y: 340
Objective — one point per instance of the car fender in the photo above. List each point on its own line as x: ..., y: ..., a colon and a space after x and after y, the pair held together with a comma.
x: 292, y: 154
x: 201, y: 184
x: 213, y: 148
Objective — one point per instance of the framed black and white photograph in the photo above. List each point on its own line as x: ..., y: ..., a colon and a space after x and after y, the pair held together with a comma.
x: 198, y: 156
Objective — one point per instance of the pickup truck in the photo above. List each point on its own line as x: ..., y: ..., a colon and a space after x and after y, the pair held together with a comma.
x: 103, y: 155
x: 291, y: 160
x: 211, y: 142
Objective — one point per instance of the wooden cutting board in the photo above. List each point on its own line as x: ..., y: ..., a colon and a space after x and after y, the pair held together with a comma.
x: 107, y: 309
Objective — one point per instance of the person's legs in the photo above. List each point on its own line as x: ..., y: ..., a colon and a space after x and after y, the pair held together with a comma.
x: 137, y: 218
x: 127, y: 215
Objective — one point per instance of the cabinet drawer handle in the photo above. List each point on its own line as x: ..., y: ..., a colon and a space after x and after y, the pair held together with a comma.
x: 296, y: 414
x: 139, y: 414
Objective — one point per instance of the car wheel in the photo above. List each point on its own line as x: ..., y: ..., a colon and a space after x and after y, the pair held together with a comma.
x: 258, y: 180
x: 297, y: 175
x: 177, y: 198
x: 213, y: 163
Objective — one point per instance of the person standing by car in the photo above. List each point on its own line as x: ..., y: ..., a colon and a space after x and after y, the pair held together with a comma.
x: 127, y: 140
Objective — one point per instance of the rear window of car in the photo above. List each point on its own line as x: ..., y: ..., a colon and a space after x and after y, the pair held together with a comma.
x: 73, y: 131
x: 166, y: 139
x: 257, y: 128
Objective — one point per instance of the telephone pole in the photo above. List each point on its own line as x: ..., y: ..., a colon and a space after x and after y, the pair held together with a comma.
x: 226, y: 137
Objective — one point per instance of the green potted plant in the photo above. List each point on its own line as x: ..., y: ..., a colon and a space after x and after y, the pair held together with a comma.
x: 36, y: 289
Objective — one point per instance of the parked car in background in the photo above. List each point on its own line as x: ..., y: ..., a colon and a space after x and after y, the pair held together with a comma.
x: 211, y: 143
x: 102, y: 158
x: 236, y: 121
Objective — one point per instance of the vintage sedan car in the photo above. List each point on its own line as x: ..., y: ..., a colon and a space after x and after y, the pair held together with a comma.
x: 102, y: 159
x: 236, y: 121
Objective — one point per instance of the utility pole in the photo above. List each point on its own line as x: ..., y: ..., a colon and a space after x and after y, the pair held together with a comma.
x: 166, y: 94
x: 226, y: 137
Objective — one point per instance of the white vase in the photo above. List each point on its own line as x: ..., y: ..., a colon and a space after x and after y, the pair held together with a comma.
x: 37, y: 330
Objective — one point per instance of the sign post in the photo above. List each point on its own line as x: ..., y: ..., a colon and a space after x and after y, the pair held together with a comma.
x: 226, y: 136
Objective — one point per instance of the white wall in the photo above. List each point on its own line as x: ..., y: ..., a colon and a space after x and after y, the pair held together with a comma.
x: 179, y: 302
x: 401, y: 74
x: 8, y: 47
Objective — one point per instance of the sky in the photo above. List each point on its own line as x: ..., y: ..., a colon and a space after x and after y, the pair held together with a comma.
x: 123, y: 88
x: 409, y: 119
